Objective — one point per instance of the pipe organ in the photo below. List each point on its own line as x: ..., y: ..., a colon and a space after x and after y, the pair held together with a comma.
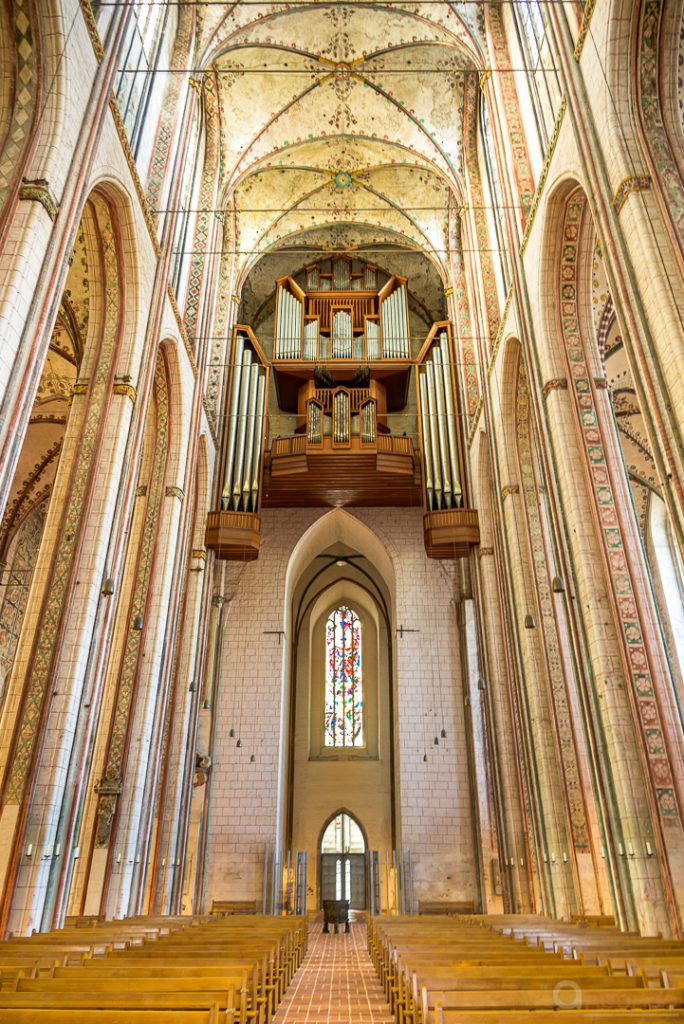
x: 394, y: 320
x: 341, y: 418
x: 245, y: 428
x: 233, y: 530
x: 441, y: 470
x: 341, y: 315
x: 342, y: 366
x: 289, y: 324
x: 450, y: 528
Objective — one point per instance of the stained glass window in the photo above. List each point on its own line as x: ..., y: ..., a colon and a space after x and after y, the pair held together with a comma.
x: 343, y: 680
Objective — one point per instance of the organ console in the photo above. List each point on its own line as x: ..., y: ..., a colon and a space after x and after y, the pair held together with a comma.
x: 342, y: 363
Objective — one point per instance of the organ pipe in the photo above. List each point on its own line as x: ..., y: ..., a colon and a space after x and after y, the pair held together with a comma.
x: 372, y: 339
x: 296, y: 328
x: 439, y: 428
x: 288, y: 340
x: 288, y: 325
x: 244, y: 435
x: 395, y: 324
x: 368, y: 423
x: 241, y: 431
x: 443, y: 360
x: 434, y: 437
x: 249, y: 436
x: 403, y: 322
x: 233, y: 419
x: 341, y: 335
x: 341, y: 417
x: 314, y: 423
x: 310, y: 339
x: 441, y: 431
x: 258, y: 441
x: 427, y: 447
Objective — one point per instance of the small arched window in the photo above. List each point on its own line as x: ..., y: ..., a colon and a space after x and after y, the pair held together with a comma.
x: 343, y: 680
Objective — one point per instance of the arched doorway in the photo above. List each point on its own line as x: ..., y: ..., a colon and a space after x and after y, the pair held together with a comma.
x: 343, y: 861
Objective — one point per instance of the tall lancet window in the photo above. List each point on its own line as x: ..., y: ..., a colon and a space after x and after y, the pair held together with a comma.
x: 343, y: 680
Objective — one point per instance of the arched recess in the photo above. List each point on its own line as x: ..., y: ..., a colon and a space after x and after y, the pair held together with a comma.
x: 653, y: 520
x: 21, y: 528
x: 178, y: 411
x: 77, y: 397
x: 524, y: 552
x: 553, y: 624
x: 660, y: 58
x: 616, y: 620
x: 200, y: 740
x: 361, y: 842
x: 33, y: 100
x: 338, y: 561
x: 103, y: 813
x: 341, y: 860
x: 185, y: 754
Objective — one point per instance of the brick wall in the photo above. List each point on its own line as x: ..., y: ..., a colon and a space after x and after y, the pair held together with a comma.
x: 433, y: 806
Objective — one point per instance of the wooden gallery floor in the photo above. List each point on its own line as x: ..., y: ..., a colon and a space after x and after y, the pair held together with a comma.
x: 336, y: 983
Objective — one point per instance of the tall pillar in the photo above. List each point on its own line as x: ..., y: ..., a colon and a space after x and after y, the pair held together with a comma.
x: 553, y: 846
x: 504, y: 750
x: 631, y: 823
x: 180, y: 756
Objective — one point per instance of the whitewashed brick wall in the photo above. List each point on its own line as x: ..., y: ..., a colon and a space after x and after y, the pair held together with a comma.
x: 433, y: 803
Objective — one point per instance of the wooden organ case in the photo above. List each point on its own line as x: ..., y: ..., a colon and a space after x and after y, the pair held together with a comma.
x: 341, y: 367
x: 342, y: 362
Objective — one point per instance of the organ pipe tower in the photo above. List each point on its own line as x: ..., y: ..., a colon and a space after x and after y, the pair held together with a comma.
x: 342, y: 364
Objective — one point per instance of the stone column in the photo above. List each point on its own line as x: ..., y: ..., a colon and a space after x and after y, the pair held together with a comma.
x: 172, y: 816
x: 504, y: 750
x: 553, y: 842
x: 84, y: 630
x: 631, y: 822
x: 127, y: 845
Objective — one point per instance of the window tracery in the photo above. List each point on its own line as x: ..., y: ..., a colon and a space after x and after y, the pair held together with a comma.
x: 542, y: 76
x: 139, y: 90
x: 495, y: 196
x: 186, y: 218
x: 343, y: 680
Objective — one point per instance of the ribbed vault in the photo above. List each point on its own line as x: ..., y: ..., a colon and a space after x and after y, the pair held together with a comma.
x: 345, y: 119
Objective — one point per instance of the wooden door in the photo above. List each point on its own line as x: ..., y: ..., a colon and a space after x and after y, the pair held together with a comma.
x: 343, y: 877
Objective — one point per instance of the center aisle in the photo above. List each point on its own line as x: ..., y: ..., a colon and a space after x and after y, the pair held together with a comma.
x: 336, y: 983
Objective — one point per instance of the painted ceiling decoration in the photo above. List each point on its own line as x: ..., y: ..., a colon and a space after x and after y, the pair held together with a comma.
x: 342, y: 119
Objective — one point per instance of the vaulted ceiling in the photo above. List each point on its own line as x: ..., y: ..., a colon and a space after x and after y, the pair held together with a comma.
x: 342, y: 124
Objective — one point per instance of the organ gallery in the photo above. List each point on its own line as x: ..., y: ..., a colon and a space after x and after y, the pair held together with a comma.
x: 343, y: 373
x: 341, y: 508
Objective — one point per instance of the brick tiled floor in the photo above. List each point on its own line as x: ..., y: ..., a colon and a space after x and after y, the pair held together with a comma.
x: 336, y: 983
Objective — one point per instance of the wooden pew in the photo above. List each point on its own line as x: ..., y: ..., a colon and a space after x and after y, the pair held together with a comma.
x: 49, y: 1015
x: 443, y: 1016
x: 446, y: 907
x: 234, y: 907
x: 546, y: 999
x: 505, y: 978
x: 227, y: 969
